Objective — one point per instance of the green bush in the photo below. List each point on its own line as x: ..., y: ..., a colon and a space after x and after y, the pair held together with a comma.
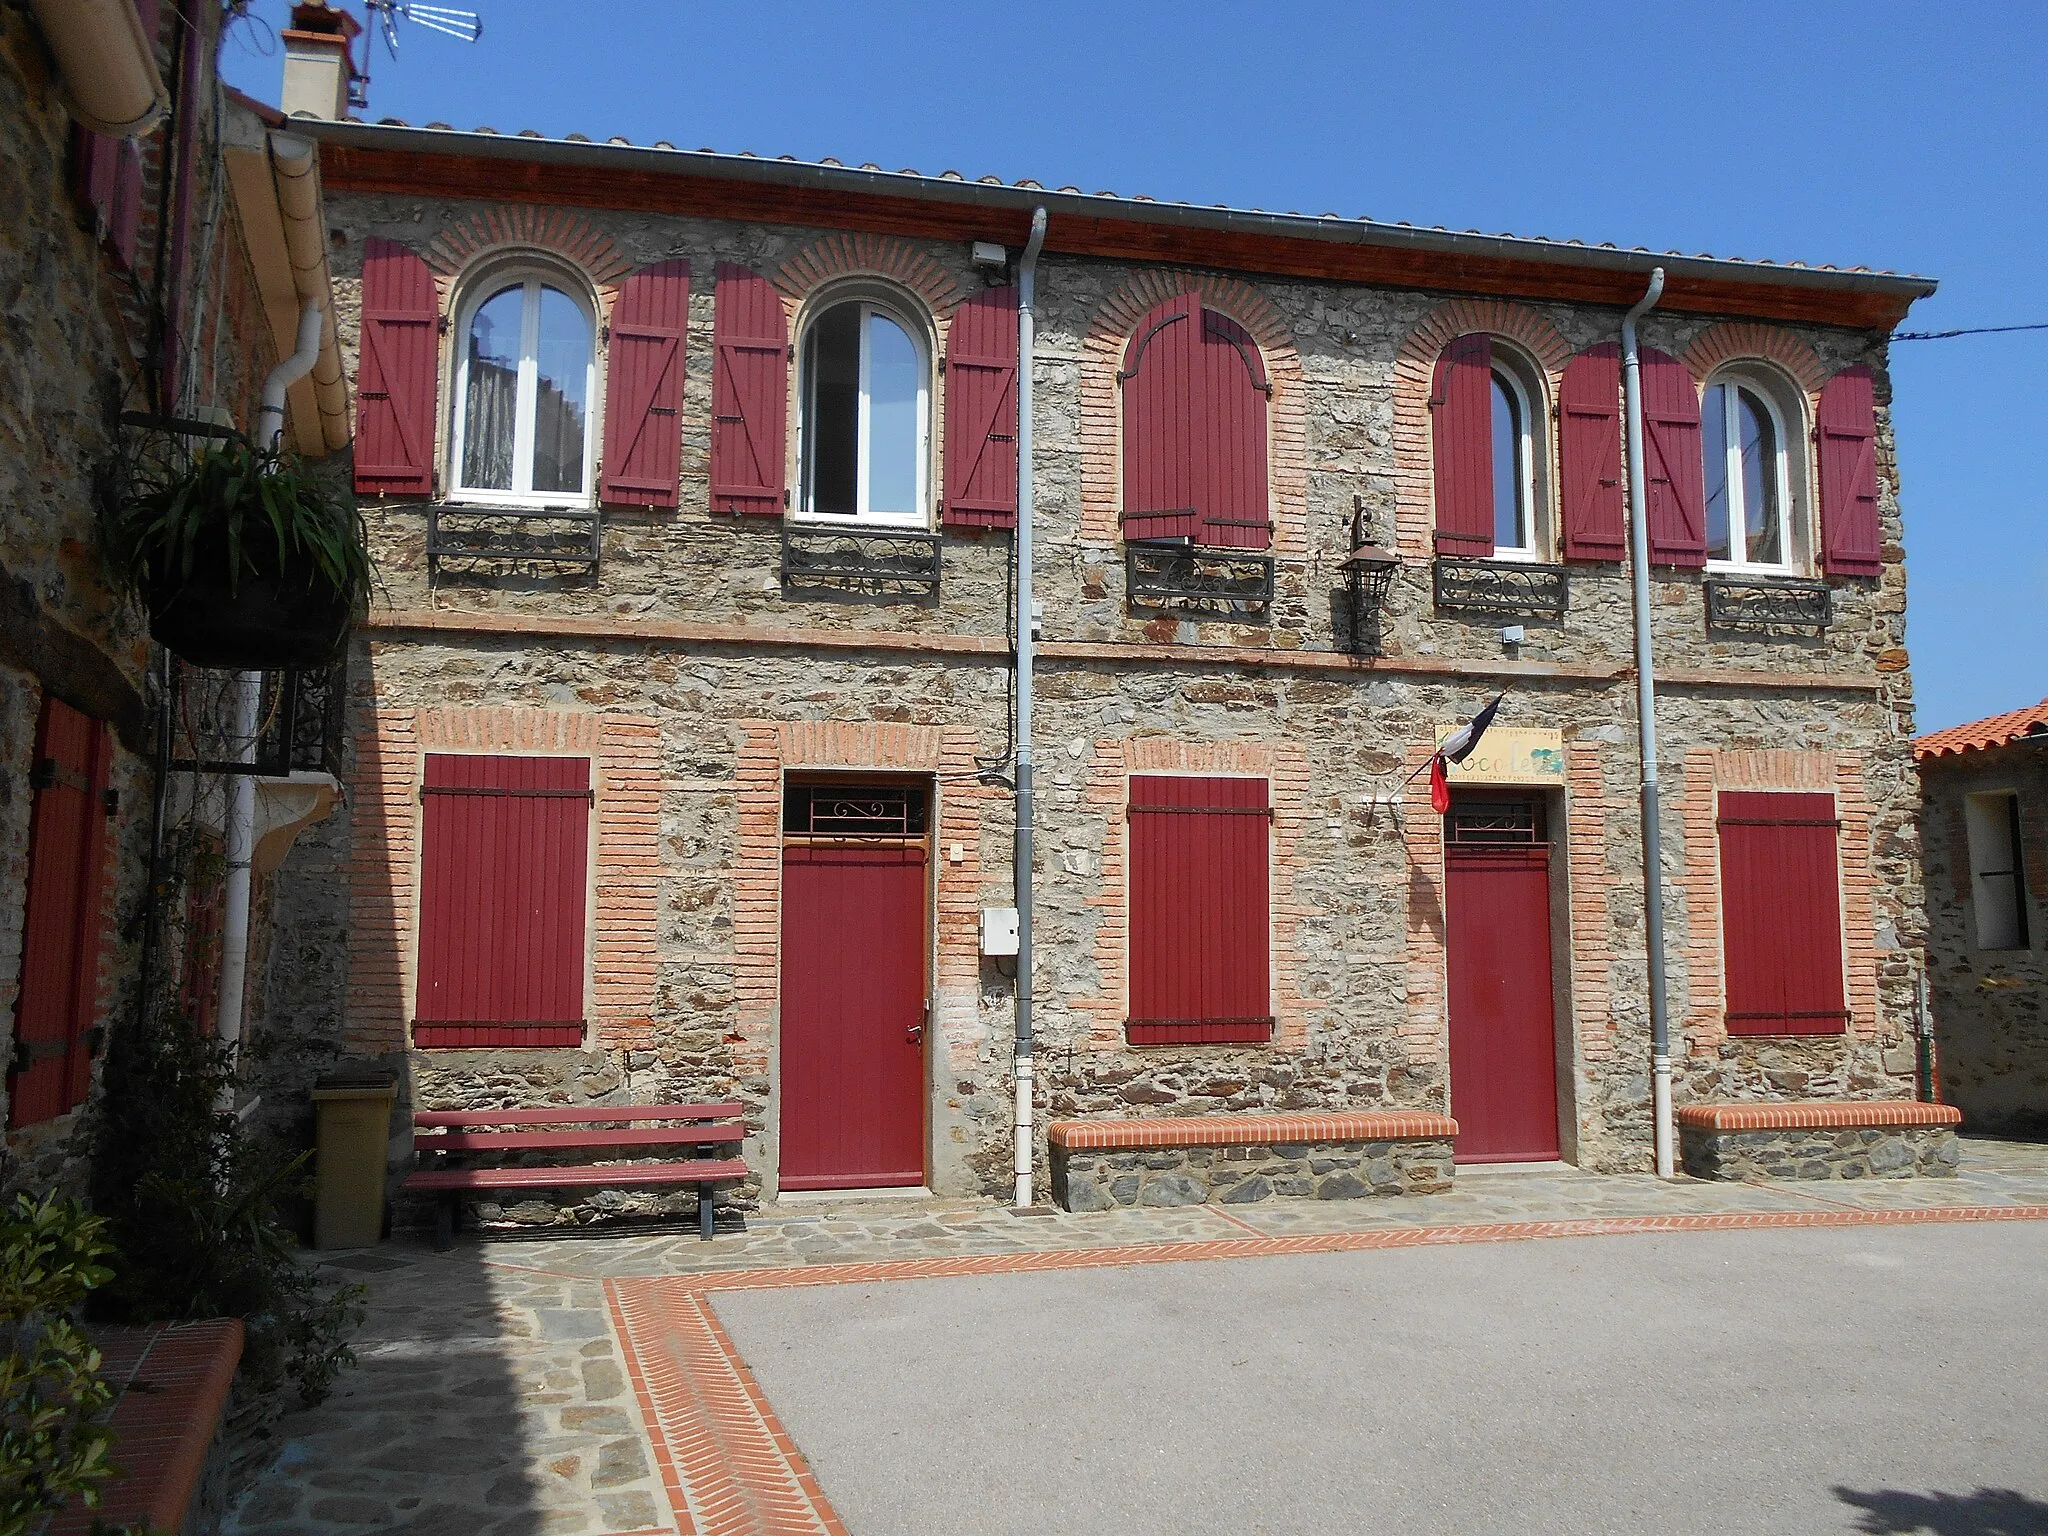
x: 54, y: 1441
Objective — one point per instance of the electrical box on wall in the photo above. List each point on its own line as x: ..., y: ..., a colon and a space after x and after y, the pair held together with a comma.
x: 999, y: 931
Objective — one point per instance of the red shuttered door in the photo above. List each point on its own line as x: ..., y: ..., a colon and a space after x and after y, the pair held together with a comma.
x: 1676, y: 503
x: 395, y: 373
x: 749, y: 394
x: 1847, y: 430
x: 981, y: 412
x: 63, y: 921
x: 1781, y: 915
x: 1200, y: 911
x: 1503, y: 1034
x: 1461, y: 436
x: 643, y: 398
x: 1589, y: 454
x: 504, y: 872
x: 853, y: 1016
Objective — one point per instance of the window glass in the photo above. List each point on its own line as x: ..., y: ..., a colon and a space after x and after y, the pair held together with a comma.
x: 1510, y: 523
x: 1714, y: 436
x: 892, y: 386
x: 1759, y: 478
x: 561, y: 390
x: 832, y: 413
x: 491, y: 408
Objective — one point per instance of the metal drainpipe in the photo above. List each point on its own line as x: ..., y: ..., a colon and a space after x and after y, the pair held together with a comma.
x: 1646, y: 724
x: 240, y: 831
x: 1027, y: 275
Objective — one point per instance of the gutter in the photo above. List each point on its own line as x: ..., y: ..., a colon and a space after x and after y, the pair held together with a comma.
x: 107, y: 63
x: 1026, y: 197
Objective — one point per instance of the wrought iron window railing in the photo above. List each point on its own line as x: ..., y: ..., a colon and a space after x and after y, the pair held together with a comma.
x: 875, y: 560
x: 1766, y: 607
x: 550, y: 541
x: 300, y: 721
x: 1194, y: 578
x: 1511, y: 587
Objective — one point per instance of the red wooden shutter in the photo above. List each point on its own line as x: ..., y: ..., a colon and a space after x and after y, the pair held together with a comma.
x: 504, y: 873
x: 1589, y: 454
x: 1781, y: 915
x: 749, y: 394
x: 1200, y: 911
x: 1847, y: 431
x: 396, y: 368
x: 1229, y: 440
x: 1676, y: 508
x: 981, y: 412
x: 643, y: 400
x: 62, y: 924
x: 1461, y: 405
x: 1161, y: 410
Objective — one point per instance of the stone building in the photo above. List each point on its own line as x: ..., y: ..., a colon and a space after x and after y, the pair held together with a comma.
x: 145, y: 272
x: 682, y: 758
x: 1984, y: 790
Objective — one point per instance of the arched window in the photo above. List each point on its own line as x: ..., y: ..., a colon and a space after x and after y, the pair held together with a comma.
x: 1492, y: 481
x: 525, y: 387
x: 1749, y: 500
x: 1195, y: 397
x: 864, y: 423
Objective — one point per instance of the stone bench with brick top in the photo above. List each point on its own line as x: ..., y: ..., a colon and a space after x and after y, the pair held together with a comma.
x: 1098, y: 1165
x: 1837, y: 1139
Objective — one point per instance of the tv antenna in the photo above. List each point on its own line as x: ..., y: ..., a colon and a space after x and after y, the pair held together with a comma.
x: 386, y: 14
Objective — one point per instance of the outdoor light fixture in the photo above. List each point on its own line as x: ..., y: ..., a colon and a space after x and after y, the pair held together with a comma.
x: 1368, y: 573
x: 989, y: 258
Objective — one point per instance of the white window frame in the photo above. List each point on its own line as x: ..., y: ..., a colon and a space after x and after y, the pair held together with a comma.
x: 919, y: 516
x: 481, y: 292
x: 1525, y: 476
x: 1781, y: 469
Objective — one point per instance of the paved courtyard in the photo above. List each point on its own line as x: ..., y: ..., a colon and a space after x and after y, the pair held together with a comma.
x: 1826, y: 1357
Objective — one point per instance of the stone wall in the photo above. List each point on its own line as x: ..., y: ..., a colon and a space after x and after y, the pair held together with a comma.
x: 1102, y: 1180
x: 1990, y: 1007
x: 688, y: 627
x: 1857, y: 1152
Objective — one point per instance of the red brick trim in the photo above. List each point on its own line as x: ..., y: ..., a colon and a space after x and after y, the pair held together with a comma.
x: 1735, y: 341
x: 897, y: 262
x: 1109, y: 330
x: 174, y: 1380
x: 384, y: 862
x: 1833, y: 1115
x: 519, y: 226
x: 1425, y: 1023
x: 1414, y: 369
x: 1285, y: 768
x: 1706, y: 773
x: 1587, y: 808
x: 1248, y: 1130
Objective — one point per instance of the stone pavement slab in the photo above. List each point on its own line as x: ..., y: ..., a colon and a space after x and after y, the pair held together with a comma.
x: 580, y: 1384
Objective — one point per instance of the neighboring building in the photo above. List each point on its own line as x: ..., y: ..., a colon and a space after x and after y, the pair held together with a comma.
x: 1984, y: 836
x: 146, y: 275
x: 681, y: 734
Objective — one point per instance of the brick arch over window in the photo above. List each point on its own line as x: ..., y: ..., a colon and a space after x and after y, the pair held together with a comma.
x: 1414, y: 368
x: 521, y: 227
x: 894, y: 261
x: 1102, y: 352
x: 1736, y: 340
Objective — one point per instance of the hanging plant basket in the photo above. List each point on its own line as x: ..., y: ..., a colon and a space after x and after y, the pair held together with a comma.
x: 245, y: 560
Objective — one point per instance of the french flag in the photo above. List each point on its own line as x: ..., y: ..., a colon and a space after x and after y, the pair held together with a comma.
x: 1455, y: 748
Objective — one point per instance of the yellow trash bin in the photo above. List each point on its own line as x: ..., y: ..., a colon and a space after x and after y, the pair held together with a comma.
x: 353, y: 1130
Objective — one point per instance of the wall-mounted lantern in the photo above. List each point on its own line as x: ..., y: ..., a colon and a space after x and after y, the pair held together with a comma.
x: 1368, y: 573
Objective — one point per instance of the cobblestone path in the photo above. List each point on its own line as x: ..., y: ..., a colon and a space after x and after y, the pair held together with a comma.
x: 533, y: 1386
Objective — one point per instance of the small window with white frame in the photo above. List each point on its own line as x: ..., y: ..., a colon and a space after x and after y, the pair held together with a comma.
x: 1517, y: 532
x: 864, y: 415
x: 524, y: 418
x: 1998, y: 880
x: 1750, y: 453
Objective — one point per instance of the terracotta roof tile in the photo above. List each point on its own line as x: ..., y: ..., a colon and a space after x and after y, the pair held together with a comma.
x: 1998, y: 731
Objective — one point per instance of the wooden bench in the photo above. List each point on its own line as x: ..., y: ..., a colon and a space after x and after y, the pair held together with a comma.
x: 1819, y: 1139
x: 1099, y: 1165
x: 621, y: 1129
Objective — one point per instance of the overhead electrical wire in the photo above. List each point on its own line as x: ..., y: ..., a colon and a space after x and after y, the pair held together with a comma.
x: 1979, y: 330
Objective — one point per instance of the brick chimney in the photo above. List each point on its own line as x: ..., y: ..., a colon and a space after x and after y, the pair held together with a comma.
x: 319, y: 60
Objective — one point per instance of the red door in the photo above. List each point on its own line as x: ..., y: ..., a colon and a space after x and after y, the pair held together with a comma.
x: 1503, y: 1039
x: 853, y: 1015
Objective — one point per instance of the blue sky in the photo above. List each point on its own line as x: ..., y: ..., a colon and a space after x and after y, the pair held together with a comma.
x: 1892, y: 136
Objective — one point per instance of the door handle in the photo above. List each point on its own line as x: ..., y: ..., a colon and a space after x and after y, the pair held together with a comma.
x: 915, y: 1034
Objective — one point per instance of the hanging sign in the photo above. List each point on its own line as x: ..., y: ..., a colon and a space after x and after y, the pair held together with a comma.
x: 1506, y: 755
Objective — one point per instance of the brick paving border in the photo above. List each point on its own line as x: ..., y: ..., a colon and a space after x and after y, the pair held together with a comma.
x: 730, y: 1466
